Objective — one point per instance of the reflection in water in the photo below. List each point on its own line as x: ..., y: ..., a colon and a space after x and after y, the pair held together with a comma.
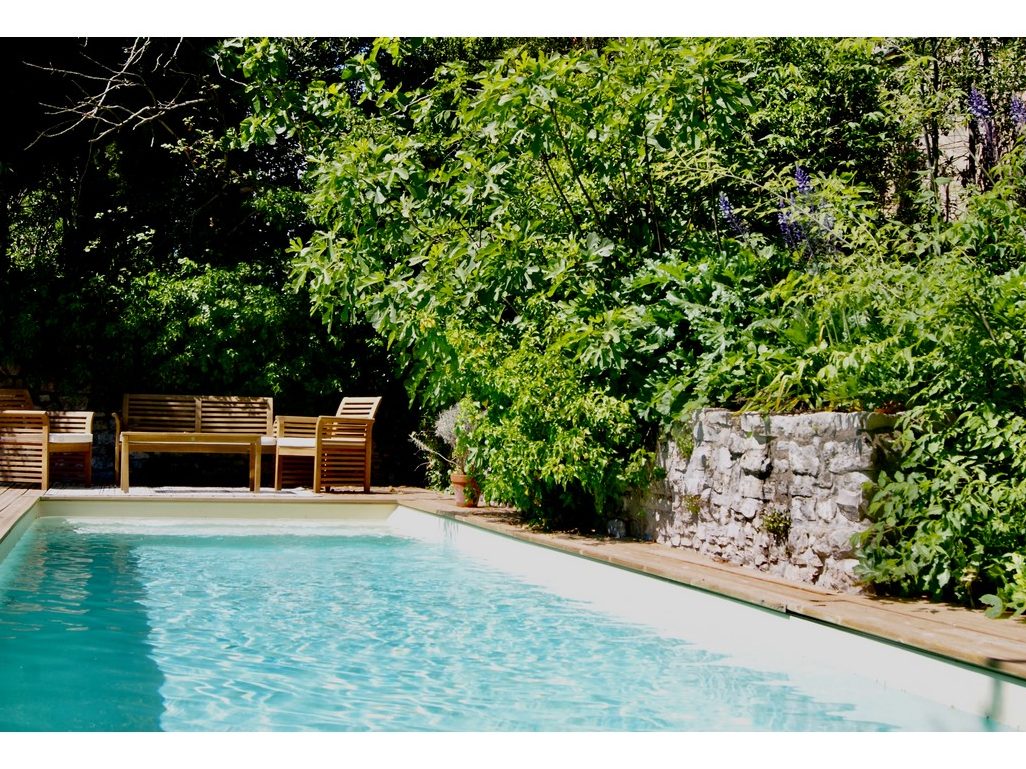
x: 73, y: 636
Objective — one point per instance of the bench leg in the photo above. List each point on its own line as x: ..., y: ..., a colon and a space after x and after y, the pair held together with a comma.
x: 124, y: 469
x: 254, y: 469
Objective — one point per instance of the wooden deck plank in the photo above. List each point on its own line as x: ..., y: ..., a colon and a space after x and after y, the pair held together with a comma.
x: 14, y: 502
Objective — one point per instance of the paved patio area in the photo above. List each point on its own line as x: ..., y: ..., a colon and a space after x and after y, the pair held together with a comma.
x: 948, y: 631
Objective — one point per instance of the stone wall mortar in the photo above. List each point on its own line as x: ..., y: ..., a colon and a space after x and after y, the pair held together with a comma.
x: 747, y: 471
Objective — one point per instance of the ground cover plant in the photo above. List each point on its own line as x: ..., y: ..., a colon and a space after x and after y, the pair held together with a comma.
x: 581, y: 242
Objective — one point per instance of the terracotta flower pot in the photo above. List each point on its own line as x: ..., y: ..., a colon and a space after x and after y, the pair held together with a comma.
x: 467, y: 490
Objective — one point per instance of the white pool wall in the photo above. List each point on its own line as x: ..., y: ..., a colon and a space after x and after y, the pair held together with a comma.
x: 815, y: 656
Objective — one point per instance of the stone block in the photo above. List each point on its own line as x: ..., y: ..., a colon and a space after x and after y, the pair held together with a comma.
x: 803, y: 509
x: 854, y: 481
x: 826, y: 510
x: 804, y: 460
x: 752, y: 488
x: 822, y: 546
x: 748, y: 508
x: 782, y: 448
x: 848, y: 497
x: 851, y: 458
x: 798, y: 540
x: 756, y: 463
x: 721, y: 460
x: 840, y: 541
x: 849, y: 513
x: 791, y: 572
x: 802, y: 486
x: 698, y: 462
x: 692, y: 485
x: 755, y: 425
x: 755, y: 443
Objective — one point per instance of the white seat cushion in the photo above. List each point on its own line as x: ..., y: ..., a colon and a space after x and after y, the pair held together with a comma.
x: 296, y: 443
x: 268, y: 440
x: 71, y: 437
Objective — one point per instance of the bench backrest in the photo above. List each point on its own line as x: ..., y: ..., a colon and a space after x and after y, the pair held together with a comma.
x: 233, y: 414
x: 159, y: 413
x: 11, y: 398
x: 358, y: 408
x: 197, y: 414
x: 71, y: 421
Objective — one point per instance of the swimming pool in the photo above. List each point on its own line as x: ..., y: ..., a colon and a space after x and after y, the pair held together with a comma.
x: 387, y: 618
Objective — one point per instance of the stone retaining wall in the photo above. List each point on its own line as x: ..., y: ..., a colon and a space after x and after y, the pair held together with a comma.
x: 783, y: 494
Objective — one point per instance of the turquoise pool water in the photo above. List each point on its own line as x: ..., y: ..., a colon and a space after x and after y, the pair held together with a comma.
x: 221, y: 625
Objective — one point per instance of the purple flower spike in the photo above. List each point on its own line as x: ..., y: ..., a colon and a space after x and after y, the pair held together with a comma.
x: 801, y: 176
x: 792, y: 232
x: 978, y: 106
x: 1018, y: 111
x: 730, y: 217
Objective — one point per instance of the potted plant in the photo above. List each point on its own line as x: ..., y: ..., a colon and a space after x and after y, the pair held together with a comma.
x: 451, y: 428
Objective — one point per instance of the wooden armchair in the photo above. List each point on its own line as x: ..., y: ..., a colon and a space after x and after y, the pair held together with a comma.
x: 70, y: 434
x: 334, y: 450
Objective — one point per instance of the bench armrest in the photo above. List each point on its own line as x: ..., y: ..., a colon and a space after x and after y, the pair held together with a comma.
x: 23, y: 425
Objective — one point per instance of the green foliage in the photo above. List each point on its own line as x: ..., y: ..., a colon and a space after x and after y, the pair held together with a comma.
x: 487, y: 218
x: 540, y: 233
x: 777, y: 523
x: 221, y: 330
x: 562, y: 451
x: 580, y: 240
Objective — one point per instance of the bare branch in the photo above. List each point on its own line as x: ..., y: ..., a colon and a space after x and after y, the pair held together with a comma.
x: 120, y: 96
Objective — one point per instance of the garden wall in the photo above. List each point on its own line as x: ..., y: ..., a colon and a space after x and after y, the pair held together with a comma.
x: 782, y: 494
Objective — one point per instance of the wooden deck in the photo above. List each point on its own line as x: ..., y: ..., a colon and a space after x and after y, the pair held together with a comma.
x: 952, y: 632
x: 14, y: 503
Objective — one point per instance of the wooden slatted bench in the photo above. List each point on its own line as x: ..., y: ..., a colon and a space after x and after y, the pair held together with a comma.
x: 193, y: 424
